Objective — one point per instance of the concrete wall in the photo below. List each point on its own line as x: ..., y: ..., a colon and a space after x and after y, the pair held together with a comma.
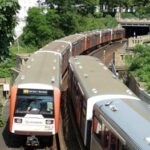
x: 137, y: 89
x: 4, y: 89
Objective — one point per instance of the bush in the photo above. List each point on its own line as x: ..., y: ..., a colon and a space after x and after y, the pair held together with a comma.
x: 6, y: 65
x: 1, y: 121
x: 128, y: 15
x: 139, y: 64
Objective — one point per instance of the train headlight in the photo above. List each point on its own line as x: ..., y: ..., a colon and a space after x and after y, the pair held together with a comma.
x: 18, y: 120
x: 49, y: 121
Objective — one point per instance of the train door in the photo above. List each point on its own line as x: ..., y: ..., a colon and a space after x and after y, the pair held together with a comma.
x: 78, y: 105
x: 65, y: 60
x: 79, y: 47
x: 97, y: 38
x: 83, y: 116
x: 89, y: 42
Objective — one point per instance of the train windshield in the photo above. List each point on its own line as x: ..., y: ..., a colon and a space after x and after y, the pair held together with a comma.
x: 34, y: 102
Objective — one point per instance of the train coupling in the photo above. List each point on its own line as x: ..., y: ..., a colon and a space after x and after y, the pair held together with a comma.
x: 32, y: 141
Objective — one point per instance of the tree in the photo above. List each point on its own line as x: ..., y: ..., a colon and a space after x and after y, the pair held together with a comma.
x: 61, y: 6
x: 8, y: 10
x: 41, y: 27
x: 139, y: 64
x: 81, y: 6
x: 86, y: 7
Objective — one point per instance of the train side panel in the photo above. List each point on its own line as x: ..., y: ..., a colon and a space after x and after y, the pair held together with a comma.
x: 105, y: 36
x: 13, y: 94
x: 78, y: 100
x: 57, y: 108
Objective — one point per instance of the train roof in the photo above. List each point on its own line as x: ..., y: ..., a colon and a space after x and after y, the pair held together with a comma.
x: 56, y: 46
x: 35, y: 72
x: 118, y: 29
x: 130, y: 119
x: 93, y: 32
x: 73, y: 38
x: 95, y: 78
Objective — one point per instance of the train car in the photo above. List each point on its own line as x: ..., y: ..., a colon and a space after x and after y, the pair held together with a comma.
x: 89, y: 81
x: 105, y: 36
x: 121, y: 125
x: 118, y: 33
x: 35, y: 97
x: 77, y: 42
x: 40, y: 79
x: 92, y: 39
x: 62, y: 48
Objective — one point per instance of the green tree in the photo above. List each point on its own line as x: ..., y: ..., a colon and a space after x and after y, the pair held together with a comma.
x: 87, y: 7
x: 8, y: 10
x: 139, y: 64
x: 41, y: 27
x: 81, y: 6
x: 61, y: 6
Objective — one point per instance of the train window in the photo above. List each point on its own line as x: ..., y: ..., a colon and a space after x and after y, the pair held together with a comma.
x: 122, y: 147
x: 97, y: 128
x: 113, y: 142
x: 105, y: 137
x: 35, y: 102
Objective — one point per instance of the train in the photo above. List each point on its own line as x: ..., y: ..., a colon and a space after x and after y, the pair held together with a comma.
x: 35, y: 96
x: 120, y: 125
x: 108, y: 114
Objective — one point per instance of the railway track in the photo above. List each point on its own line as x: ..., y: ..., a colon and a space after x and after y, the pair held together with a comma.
x: 18, y: 142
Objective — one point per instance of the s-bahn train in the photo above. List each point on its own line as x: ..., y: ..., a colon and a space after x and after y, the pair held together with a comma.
x: 121, y: 125
x: 35, y: 95
x: 101, y: 102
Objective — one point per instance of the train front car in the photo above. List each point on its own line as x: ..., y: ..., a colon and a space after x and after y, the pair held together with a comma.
x: 121, y: 125
x: 35, y: 97
x: 90, y: 81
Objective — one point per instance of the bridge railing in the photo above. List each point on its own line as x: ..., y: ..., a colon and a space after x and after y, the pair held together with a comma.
x: 138, y: 40
x: 132, y: 20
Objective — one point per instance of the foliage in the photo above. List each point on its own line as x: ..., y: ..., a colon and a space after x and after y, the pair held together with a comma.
x: 22, y: 48
x: 8, y: 9
x: 1, y: 121
x: 79, y: 6
x: 139, y: 64
x: 128, y: 15
x: 6, y: 65
x: 41, y: 28
x: 44, y: 27
x: 142, y: 7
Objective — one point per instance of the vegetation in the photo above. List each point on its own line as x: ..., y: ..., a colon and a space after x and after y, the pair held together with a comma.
x: 139, y: 64
x: 44, y: 27
x: 1, y: 121
x: 58, y: 19
x: 6, y: 65
x: 8, y: 10
x: 134, y: 15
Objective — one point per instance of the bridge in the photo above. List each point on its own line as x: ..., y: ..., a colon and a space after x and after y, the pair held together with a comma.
x: 133, y: 22
x: 134, y: 25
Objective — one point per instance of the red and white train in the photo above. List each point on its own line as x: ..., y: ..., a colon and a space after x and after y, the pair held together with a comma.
x: 35, y: 95
x: 109, y: 115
